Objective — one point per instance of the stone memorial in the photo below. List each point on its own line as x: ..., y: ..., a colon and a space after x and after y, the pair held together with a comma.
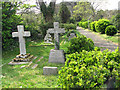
x: 56, y: 55
x: 50, y: 70
x: 72, y: 35
x: 22, y: 58
x: 48, y: 38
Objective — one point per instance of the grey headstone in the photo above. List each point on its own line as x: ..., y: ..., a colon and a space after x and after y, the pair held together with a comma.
x: 56, y: 56
x: 50, y: 70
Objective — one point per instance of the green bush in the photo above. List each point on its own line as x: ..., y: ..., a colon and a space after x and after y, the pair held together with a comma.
x: 101, y: 25
x: 77, y: 44
x: 80, y: 24
x: 69, y: 26
x: 92, y: 26
x: 110, y: 30
x: 85, y: 24
x: 77, y: 33
x: 90, y: 69
x: 72, y: 20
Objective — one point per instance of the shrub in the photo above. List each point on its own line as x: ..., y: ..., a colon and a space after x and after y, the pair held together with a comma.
x: 80, y: 24
x: 72, y: 20
x: 110, y: 30
x: 85, y: 24
x: 77, y: 33
x: 92, y: 26
x: 101, y: 25
x: 77, y: 44
x: 69, y: 26
x: 90, y: 69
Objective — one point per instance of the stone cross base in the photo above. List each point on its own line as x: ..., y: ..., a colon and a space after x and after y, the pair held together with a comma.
x: 21, y: 59
x: 56, y: 56
x: 50, y: 70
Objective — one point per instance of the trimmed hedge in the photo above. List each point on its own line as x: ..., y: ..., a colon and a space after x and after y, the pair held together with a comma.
x: 92, y: 26
x: 101, y: 25
x: 111, y: 30
x: 77, y: 44
x: 90, y: 69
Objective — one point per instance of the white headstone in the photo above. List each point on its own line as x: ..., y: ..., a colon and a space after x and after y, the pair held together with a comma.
x: 21, y: 34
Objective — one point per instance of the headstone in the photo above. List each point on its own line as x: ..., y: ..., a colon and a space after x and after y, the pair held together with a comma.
x: 50, y: 70
x: 22, y: 58
x: 48, y: 38
x: 56, y: 55
x: 72, y: 35
x: 56, y: 31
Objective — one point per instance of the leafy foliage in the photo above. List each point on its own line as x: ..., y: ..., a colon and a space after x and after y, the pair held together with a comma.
x: 90, y: 69
x: 101, y: 25
x: 110, y: 30
x: 82, y: 10
x: 116, y: 21
x: 69, y: 26
x: 9, y: 23
x: 92, y: 26
x: 77, y: 44
x: 48, y: 12
x: 64, y: 13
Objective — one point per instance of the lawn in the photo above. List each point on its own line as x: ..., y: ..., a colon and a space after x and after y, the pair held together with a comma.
x: 14, y: 77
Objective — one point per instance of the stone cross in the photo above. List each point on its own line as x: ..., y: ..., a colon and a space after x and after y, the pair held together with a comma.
x: 56, y: 30
x: 21, y: 34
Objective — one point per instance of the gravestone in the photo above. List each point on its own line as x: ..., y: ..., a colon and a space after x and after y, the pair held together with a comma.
x: 72, y: 35
x: 22, y: 58
x: 50, y: 70
x: 48, y: 38
x: 56, y: 55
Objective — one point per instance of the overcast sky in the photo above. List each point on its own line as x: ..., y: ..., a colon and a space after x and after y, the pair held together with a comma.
x: 106, y: 4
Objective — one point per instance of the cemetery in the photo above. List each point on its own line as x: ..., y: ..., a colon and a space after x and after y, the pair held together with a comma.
x: 59, y: 47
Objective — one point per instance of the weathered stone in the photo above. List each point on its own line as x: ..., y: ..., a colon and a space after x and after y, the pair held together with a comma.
x: 56, y: 30
x: 22, y: 66
x: 48, y: 38
x: 21, y: 34
x: 72, y: 35
x: 34, y: 66
x: 17, y: 63
x: 56, y: 56
x: 50, y: 70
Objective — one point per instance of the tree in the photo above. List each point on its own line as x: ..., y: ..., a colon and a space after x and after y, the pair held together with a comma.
x: 82, y: 10
x: 64, y: 13
x: 9, y: 22
x: 47, y: 12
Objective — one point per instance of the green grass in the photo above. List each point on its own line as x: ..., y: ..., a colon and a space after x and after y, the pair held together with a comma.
x: 14, y: 77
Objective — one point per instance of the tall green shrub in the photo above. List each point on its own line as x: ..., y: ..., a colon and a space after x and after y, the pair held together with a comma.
x: 101, y: 25
x: 110, y: 30
x: 92, y: 26
x: 9, y: 24
x: 77, y: 44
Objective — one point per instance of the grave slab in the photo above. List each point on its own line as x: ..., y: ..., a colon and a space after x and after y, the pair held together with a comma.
x: 50, y: 70
x: 56, y: 56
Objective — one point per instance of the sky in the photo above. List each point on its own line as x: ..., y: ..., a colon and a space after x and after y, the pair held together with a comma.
x: 105, y: 4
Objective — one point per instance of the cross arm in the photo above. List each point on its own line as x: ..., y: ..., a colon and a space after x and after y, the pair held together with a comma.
x: 27, y: 34
x: 15, y: 34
